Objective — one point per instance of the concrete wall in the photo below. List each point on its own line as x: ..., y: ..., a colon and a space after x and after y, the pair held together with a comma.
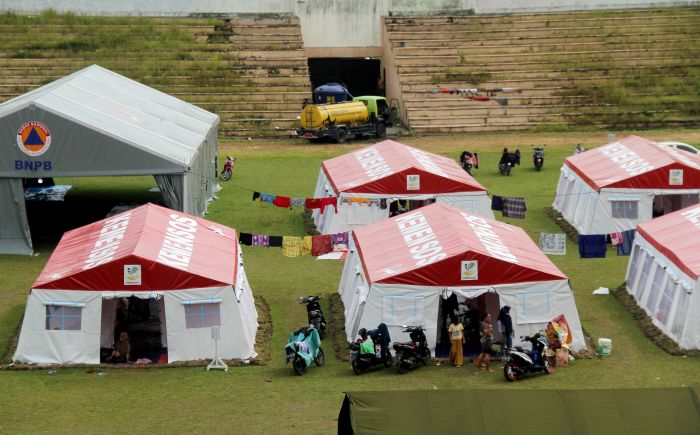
x: 354, y: 25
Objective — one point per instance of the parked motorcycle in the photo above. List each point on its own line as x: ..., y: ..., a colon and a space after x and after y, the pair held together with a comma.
x: 538, y: 157
x: 371, y: 349
x: 468, y: 161
x: 508, y: 161
x: 521, y: 362
x: 227, y: 171
x: 303, y: 349
x: 409, y: 354
x: 315, y: 314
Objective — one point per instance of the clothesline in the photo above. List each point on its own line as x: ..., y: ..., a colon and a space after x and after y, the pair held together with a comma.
x: 294, y: 246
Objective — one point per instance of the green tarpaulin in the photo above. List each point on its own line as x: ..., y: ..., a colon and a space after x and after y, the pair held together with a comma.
x: 557, y: 412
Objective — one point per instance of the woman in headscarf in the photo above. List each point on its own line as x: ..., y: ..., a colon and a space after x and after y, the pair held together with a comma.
x: 505, y: 327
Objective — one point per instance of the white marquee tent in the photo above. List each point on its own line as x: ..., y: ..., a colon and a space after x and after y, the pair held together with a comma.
x: 191, y: 267
x: 389, y: 171
x: 397, y: 270
x: 663, y: 274
x: 98, y: 123
x: 616, y: 186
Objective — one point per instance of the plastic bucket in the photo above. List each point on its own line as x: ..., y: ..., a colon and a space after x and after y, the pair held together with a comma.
x: 604, y: 346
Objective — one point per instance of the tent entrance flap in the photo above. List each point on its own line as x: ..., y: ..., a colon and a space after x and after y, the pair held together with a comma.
x: 144, y: 322
x: 15, y: 237
x: 665, y: 204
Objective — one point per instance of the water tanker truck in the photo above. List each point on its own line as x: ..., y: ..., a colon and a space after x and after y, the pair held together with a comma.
x: 364, y: 116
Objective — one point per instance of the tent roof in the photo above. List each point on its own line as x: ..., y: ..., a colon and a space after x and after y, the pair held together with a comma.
x: 637, y: 163
x: 382, y: 168
x: 676, y: 236
x: 124, y: 109
x: 427, y: 247
x: 173, y: 250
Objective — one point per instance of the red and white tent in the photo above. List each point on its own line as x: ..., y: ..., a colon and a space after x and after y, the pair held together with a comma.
x: 392, y: 171
x: 192, y: 267
x: 397, y: 270
x: 616, y: 186
x: 663, y: 274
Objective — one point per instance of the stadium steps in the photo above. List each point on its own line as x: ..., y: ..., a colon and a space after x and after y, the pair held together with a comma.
x: 635, y: 67
x: 253, y: 70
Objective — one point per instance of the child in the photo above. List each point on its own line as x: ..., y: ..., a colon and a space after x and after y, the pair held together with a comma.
x: 457, y: 338
x: 486, y: 342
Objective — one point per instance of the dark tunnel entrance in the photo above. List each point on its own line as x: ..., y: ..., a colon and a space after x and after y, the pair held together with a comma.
x: 361, y: 76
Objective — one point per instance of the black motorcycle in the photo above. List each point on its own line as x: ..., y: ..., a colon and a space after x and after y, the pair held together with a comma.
x: 315, y: 314
x: 371, y: 349
x: 538, y: 157
x: 409, y: 354
x: 508, y: 161
x: 521, y: 362
x: 468, y: 161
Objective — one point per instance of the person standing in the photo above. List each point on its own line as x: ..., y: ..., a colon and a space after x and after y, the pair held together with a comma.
x: 457, y: 337
x: 505, y: 327
x: 486, y: 342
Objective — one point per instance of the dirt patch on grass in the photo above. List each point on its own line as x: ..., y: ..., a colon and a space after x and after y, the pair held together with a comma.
x: 568, y: 229
x: 336, y: 327
x: 263, y: 347
x: 590, y: 352
x: 645, y: 324
x: 309, y: 225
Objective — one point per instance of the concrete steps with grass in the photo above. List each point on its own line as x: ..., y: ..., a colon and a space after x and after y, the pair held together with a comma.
x: 252, y: 69
x: 636, y: 67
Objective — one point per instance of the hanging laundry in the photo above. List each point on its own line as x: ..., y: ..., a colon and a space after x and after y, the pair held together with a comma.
x: 321, y: 245
x: 554, y: 244
x: 261, y: 240
x: 354, y: 200
x: 592, y: 246
x: 382, y: 203
x: 340, y: 238
x: 245, y: 239
x: 308, y: 244
x: 625, y: 248
x: 256, y: 195
x: 298, y: 202
x: 615, y: 238
x: 514, y: 207
x: 283, y: 201
x: 497, y: 203
x: 322, y: 203
x: 275, y: 241
x: 266, y: 197
x: 292, y: 246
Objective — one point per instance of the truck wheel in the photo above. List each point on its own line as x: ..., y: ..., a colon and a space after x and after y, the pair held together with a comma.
x: 381, y: 130
x: 341, y: 135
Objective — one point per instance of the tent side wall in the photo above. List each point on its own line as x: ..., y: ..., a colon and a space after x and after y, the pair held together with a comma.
x: 353, y: 291
x: 15, y: 237
x: 353, y: 215
x: 189, y: 344
x: 39, y: 345
x: 664, y: 292
x: 590, y: 211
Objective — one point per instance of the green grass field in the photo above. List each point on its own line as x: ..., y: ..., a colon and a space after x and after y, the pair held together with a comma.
x: 270, y: 398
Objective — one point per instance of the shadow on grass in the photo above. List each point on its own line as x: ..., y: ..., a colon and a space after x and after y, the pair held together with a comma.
x: 263, y: 345
x: 336, y: 323
x: 644, y: 323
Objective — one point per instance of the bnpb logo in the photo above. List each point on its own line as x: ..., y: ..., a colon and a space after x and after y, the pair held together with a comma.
x: 33, y: 138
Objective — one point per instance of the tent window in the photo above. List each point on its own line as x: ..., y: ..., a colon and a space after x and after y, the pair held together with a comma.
x: 63, y: 318
x: 666, y: 302
x: 681, y: 313
x: 655, y: 288
x: 534, y: 307
x: 202, y: 315
x: 634, y: 266
x: 643, y: 276
x: 624, y: 209
x: 402, y: 310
